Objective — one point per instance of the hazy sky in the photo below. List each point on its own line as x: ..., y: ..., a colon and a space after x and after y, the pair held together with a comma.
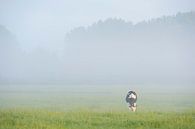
x: 46, y: 22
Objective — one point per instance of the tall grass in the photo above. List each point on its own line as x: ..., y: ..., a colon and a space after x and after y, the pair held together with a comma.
x: 95, y: 107
x: 83, y: 119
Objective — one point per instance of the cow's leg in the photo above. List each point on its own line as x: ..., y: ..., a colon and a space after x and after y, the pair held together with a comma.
x: 132, y: 108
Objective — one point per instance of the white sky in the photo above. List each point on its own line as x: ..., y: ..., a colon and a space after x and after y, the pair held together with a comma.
x: 46, y: 21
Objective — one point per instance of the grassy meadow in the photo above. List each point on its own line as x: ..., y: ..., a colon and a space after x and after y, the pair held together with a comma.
x: 95, y: 107
x: 43, y: 119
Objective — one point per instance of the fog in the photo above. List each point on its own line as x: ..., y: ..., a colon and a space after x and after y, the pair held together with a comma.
x: 97, y: 42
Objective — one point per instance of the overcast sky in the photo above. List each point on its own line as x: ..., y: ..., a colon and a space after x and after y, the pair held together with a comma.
x: 46, y: 22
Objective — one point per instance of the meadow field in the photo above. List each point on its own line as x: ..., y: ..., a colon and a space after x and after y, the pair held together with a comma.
x: 95, y: 107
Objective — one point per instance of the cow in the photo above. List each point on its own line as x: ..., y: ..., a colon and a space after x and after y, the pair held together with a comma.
x: 131, y: 98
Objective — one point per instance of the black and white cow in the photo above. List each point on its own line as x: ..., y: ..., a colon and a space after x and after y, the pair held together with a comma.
x: 131, y: 98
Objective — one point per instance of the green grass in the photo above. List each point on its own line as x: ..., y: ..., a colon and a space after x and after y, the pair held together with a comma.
x: 96, y: 107
x: 83, y: 119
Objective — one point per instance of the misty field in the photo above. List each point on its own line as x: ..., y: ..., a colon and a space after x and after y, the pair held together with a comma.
x: 91, y: 107
x: 43, y: 119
